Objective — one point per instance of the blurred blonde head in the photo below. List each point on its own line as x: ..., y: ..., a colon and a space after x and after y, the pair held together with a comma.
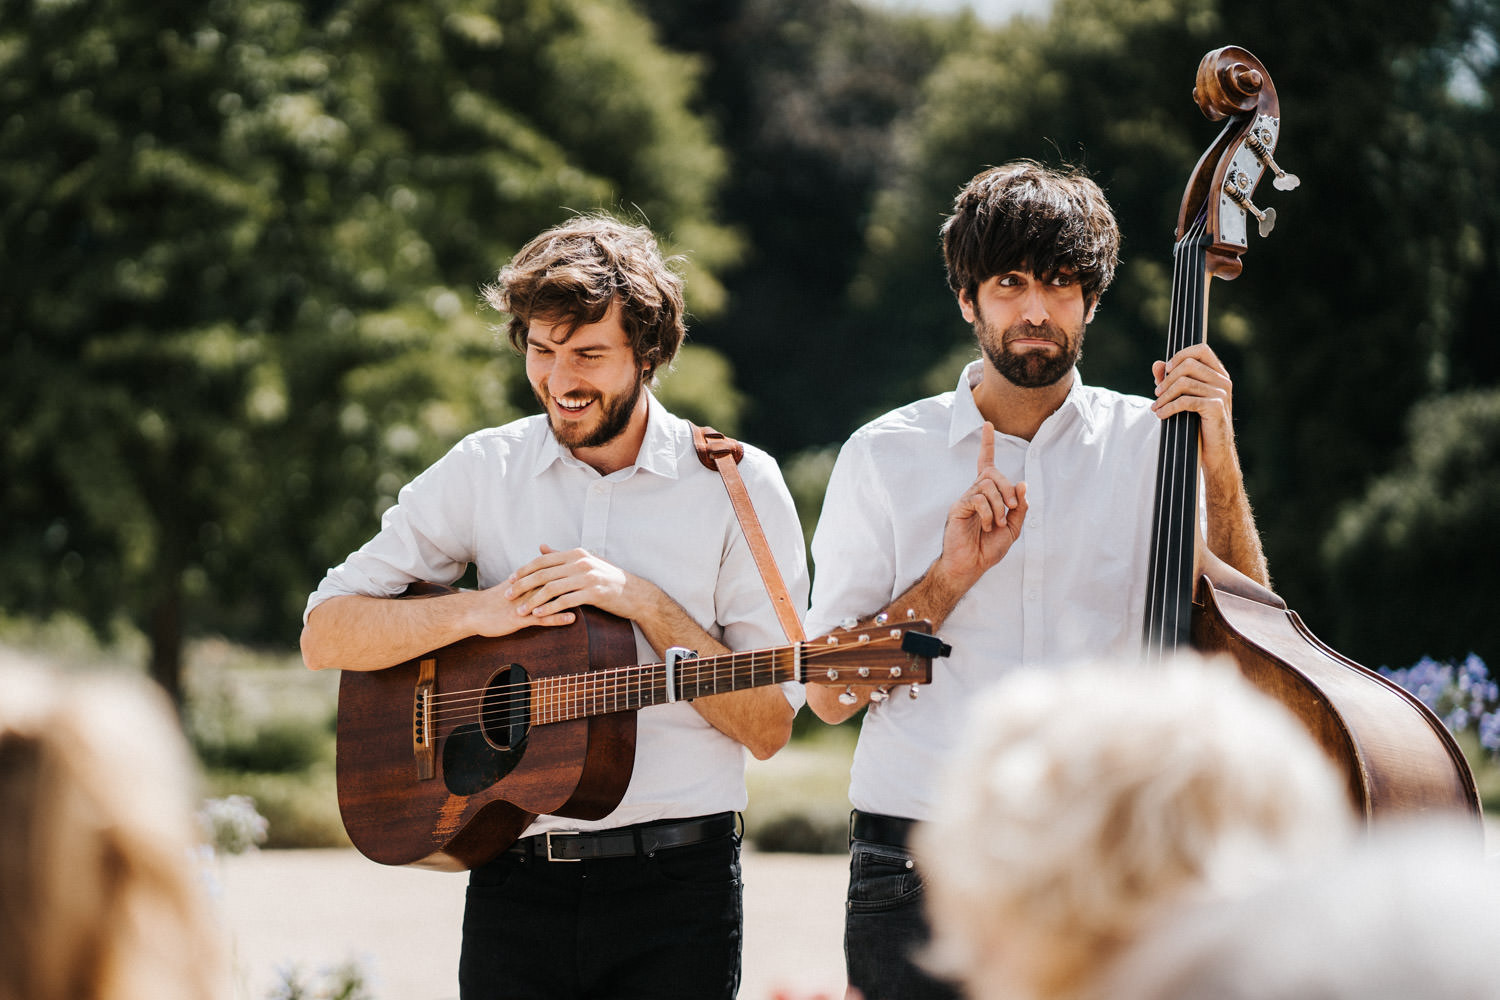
x: 1413, y: 910
x: 100, y: 896
x: 1084, y: 803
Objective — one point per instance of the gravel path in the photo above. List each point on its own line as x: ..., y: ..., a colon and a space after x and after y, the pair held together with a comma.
x: 312, y: 910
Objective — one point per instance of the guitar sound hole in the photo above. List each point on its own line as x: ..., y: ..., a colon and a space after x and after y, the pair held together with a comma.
x: 475, y: 756
x: 505, y: 712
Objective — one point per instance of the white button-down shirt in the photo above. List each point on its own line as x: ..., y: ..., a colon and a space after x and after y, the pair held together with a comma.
x: 501, y: 493
x: 1073, y: 584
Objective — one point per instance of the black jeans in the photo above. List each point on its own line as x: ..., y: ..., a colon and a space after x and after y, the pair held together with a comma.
x: 885, y: 927
x: 663, y: 927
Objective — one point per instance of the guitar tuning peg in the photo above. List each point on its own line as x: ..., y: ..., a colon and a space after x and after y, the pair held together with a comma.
x: 882, y: 618
x: 849, y: 624
x: 847, y: 696
x: 911, y: 614
x: 911, y: 692
x: 879, y: 695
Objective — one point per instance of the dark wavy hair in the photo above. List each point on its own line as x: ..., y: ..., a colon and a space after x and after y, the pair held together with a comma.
x: 1023, y: 216
x: 571, y: 275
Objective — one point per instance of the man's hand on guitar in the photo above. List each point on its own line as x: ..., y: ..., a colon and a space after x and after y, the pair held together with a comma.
x: 496, y: 613
x: 556, y: 581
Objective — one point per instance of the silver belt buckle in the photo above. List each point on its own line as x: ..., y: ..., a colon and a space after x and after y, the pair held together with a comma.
x: 559, y: 833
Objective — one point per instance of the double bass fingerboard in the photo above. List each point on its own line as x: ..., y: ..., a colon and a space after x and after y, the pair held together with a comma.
x: 1169, y: 594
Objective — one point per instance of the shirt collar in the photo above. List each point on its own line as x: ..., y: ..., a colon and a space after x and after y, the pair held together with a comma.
x: 967, y: 420
x: 658, y: 452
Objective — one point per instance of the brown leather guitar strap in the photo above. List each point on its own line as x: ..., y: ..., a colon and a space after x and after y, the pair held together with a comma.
x: 722, y: 455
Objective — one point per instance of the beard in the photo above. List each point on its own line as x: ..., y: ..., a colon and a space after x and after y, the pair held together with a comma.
x: 1029, y: 369
x: 614, y: 417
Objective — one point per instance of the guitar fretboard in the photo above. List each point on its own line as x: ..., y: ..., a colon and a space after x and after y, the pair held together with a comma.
x: 620, y: 689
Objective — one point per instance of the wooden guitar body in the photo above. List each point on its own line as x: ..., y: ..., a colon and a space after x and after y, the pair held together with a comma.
x: 476, y: 796
x: 444, y: 760
x: 1397, y: 756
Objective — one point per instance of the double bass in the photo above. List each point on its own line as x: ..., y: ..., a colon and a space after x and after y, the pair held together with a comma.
x: 1397, y: 756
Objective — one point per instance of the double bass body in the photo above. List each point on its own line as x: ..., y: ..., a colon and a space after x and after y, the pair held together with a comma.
x: 1397, y: 755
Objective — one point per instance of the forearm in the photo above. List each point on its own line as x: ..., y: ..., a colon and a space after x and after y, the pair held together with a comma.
x: 759, y: 718
x: 1232, y: 535
x: 355, y: 632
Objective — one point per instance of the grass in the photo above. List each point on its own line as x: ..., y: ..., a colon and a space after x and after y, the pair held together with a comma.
x: 799, y: 799
x: 263, y: 726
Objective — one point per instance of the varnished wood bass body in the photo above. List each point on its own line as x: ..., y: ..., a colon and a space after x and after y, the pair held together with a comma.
x: 1398, y: 757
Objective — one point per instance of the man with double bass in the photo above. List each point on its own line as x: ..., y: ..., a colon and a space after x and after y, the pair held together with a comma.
x: 1043, y: 556
x: 599, y: 500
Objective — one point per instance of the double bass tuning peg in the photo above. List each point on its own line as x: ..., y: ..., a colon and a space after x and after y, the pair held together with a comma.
x: 1257, y: 141
x: 1235, y: 187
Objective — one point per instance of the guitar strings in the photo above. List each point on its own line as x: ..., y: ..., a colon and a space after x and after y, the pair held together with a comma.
x: 486, y: 703
x: 462, y: 700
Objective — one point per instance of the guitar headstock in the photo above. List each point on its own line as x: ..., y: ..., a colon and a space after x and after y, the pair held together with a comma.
x: 1232, y: 84
x: 878, y: 652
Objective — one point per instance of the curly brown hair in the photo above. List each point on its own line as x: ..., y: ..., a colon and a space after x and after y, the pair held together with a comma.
x: 1023, y: 216
x: 572, y: 273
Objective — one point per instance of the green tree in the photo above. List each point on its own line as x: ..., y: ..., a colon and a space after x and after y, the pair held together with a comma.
x: 242, y: 242
x: 1361, y: 304
x: 1420, y: 546
x: 804, y: 94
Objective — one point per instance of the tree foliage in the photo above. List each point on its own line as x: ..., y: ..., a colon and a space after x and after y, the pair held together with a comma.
x: 805, y: 94
x: 1361, y: 304
x: 1415, y: 553
x: 242, y: 242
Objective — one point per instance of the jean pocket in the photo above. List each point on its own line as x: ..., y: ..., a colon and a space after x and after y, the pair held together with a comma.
x: 713, y: 864
x: 882, y: 875
x: 488, y: 879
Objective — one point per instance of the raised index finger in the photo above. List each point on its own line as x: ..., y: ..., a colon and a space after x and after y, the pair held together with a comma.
x: 986, y: 447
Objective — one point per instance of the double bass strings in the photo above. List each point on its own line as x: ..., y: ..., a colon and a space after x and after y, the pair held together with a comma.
x: 1172, y: 534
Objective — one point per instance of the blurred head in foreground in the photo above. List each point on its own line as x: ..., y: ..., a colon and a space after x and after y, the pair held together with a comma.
x: 1412, y: 912
x: 1083, y: 805
x: 100, y: 896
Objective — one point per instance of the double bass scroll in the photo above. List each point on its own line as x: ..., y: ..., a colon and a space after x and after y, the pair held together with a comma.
x: 1398, y: 757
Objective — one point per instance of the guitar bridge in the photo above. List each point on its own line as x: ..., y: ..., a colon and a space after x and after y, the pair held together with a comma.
x: 422, y: 738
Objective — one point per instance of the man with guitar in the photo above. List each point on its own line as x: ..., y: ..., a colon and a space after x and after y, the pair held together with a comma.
x: 600, y: 500
x: 1028, y: 251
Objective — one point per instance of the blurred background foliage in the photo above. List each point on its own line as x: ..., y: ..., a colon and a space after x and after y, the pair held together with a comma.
x: 241, y: 243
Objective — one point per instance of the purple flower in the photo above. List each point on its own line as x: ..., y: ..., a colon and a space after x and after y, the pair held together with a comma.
x: 1463, y: 695
x: 1489, y: 732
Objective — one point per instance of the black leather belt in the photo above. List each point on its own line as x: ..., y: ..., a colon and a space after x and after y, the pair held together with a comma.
x: 879, y: 829
x: 625, y: 841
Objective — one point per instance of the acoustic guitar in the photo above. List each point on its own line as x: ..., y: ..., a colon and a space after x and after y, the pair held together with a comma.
x: 445, y: 759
